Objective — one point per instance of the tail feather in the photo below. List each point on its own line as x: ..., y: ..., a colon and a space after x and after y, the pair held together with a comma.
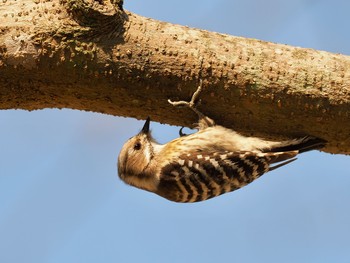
x: 304, y: 144
x: 271, y: 168
x: 285, y: 152
x: 282, y: 158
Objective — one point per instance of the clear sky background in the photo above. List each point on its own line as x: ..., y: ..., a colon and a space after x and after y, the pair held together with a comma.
x: 62, y: 201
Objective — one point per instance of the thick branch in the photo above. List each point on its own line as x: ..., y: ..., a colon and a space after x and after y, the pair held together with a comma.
x: 54, y: 55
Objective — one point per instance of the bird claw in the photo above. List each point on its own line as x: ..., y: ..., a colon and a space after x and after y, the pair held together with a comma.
x: 181, y: 133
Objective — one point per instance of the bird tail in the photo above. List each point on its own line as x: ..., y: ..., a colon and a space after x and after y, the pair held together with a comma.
x: 282, y: 158
x: 285, y: 152
x: 301, y: 145
x: 271, y: 168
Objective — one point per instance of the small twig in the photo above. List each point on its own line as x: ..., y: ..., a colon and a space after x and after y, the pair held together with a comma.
x: 204, y: 121
x: 192, y: 103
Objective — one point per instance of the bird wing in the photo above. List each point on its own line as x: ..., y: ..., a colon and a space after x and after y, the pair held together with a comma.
x: 198, y: 176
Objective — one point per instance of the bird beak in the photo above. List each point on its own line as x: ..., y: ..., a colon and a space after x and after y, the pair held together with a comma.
x: 145, y: 128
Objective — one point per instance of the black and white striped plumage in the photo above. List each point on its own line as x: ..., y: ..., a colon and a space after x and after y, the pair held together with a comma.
x: 197, y: 177
x: 213, y: 161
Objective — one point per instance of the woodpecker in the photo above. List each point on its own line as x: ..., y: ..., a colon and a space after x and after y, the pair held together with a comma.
x: 208, y: 163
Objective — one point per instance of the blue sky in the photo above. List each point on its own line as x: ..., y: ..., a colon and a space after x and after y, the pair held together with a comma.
x: 62, y: 201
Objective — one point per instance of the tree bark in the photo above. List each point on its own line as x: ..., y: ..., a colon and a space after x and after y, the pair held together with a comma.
x: 94, y: 56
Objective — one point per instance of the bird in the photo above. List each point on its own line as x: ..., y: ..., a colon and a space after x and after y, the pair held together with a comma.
x: 208, y: 163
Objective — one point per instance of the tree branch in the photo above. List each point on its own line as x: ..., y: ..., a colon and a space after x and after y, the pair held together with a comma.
x: 92, y: 55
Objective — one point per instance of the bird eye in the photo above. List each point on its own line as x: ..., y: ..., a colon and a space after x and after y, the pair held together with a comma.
x: 137, y: 146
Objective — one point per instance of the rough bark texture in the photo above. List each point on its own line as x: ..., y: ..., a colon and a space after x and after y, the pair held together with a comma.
x: 93, y: 56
